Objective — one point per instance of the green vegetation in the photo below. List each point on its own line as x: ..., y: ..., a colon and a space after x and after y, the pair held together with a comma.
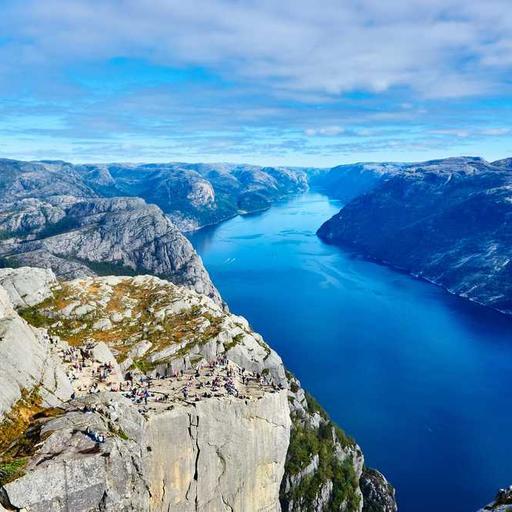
x: 305, y: 444
x: 34, y: 316
x: 106, y: 268
x: 122, y: 434
x: 20, y: 434
x: 191, y: 327
x: 234, y: 341
x: 62, y: 226
x: 9, y: 262
x: 11, y: 470
x: 17, y: 420
x: 143, y: 365
x: 314, y: 406
x: 5, y: 235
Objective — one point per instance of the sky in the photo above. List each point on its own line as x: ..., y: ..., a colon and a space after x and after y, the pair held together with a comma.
x: 288, y: 82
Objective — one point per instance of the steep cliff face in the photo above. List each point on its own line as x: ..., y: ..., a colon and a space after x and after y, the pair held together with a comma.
x: 221, y: 446
x: 26, y: 361
x: 226, y: 454
x: 214, y: 455
x: 447, y: 221
x: 177, y: 405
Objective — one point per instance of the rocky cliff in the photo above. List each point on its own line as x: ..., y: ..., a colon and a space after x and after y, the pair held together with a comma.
x: 447, y: 221
x: 502, y: 502
x: 50, y: 218
x: 132, y: 393
x: 84, y: 220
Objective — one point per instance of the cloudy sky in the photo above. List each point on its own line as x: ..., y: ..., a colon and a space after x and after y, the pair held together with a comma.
x: 296, y: 82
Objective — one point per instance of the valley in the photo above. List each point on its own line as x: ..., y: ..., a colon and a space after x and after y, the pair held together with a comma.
x: 411, y: 371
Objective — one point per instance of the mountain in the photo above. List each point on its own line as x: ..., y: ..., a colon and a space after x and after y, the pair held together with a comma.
x: 100, y: 235
x: 195, y: 195
x: 94, y: 219
x: 345, y: 182
x: 131, y: 393
x: 448, y: 221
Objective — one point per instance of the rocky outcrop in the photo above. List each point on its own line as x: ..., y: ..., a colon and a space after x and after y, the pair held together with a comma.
x: 112, y: 235
x: 27, y: 286
x: 226, y: 455
x: 214, y: 455
x: 502, y: 502
x: 50, y: 181
x: 224, y: 428
x: 144, y: 318
x: 27, y: 364
x: 378, y: 494
x: 71, y: 471
x: 222, y: 452
x: 447, y: 221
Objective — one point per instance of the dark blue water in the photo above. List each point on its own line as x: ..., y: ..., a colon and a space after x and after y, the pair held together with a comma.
x: 420, y: 378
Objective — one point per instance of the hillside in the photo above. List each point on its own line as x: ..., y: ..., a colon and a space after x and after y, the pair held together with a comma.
x: 196, y: 195
x: 448, y: 221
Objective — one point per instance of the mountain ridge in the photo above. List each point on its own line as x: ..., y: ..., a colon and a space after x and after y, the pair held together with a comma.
x: 446, y: 221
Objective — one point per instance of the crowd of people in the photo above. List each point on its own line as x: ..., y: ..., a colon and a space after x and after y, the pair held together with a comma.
x: 216, y: 378
x: 206, y: 379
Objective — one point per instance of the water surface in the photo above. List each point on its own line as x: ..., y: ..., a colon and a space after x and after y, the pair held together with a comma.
x: 420, y: 378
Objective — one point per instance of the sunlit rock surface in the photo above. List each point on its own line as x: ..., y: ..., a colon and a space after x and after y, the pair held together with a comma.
x: 222, y: 426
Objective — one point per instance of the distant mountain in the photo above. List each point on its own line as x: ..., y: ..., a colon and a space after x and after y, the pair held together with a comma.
x: 95, y: 219
x: 345, y: 182
x: 195, y: 195
x: 448, y: 221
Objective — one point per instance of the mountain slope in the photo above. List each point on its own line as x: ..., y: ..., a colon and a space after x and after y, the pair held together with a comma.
x: 448, y: 221
x: 346, y: 182
x: 195, y: 195
x: 50, y: 218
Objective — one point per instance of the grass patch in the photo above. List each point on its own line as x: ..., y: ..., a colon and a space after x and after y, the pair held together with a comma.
x: 17, y: 420
x: 105, y: 268
x: 188, y: 328
x: 144, y: 365
x: 11, y: 470
x: 20, y: 434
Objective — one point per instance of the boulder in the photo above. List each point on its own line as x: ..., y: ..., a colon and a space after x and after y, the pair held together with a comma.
x: 27, y: 286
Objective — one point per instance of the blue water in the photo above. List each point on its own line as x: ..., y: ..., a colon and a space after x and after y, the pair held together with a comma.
x: 420, y: 378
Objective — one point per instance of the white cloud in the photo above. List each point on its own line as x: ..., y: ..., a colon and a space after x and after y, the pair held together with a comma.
x: 463, y: 133
x: 438, y: 48
x: 327, y: 131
